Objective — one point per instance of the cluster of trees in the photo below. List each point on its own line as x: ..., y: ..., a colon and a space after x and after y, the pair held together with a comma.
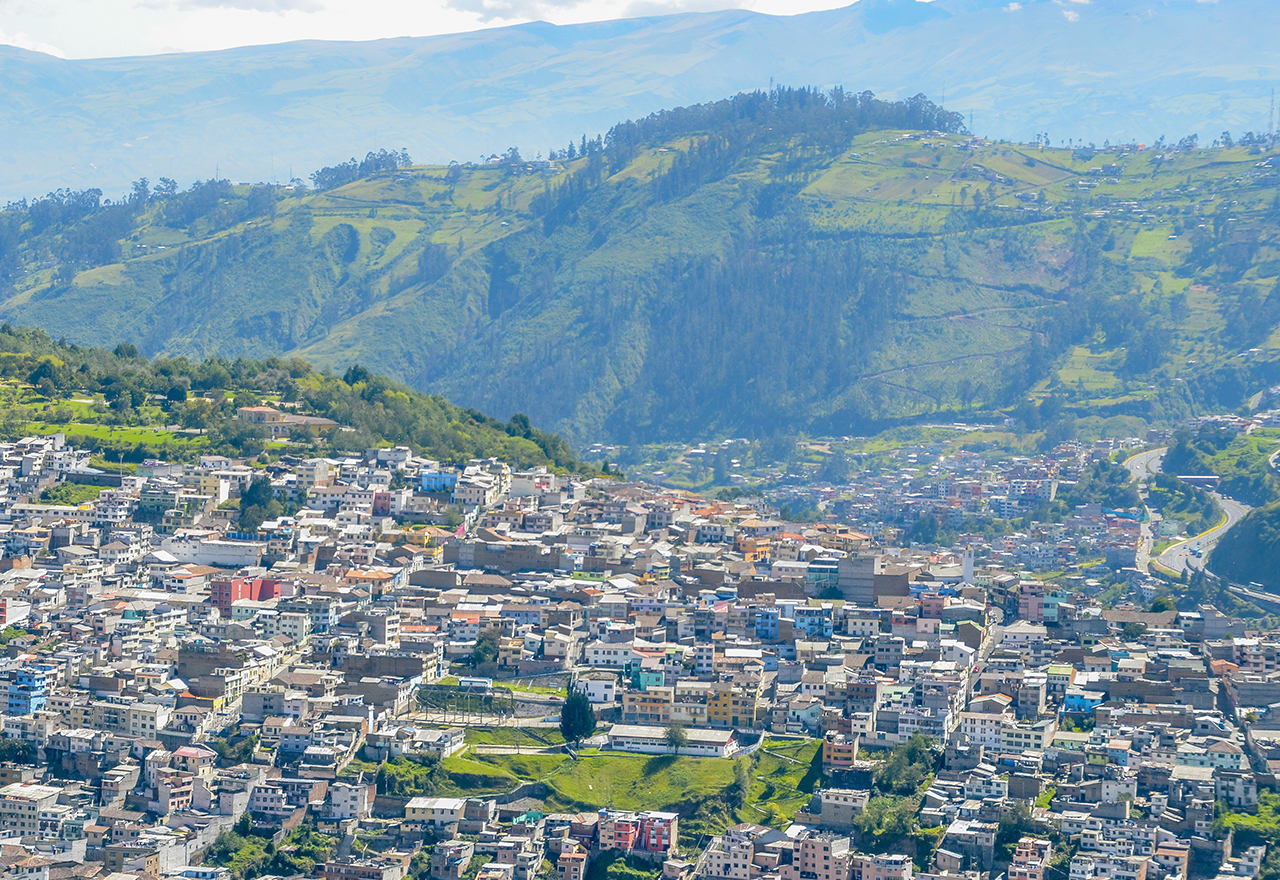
x: 583, y: 149
x: 411, y: 776
x: 1105, y: 483
x: 726, y: 131
x: 1248, y: 551
x: 236, y: 749
x: 909, y: 766
x: 798, y: 317
x: 258, y: 504
x: 1177, y: 500
x: 1097, y: 306
x: 206, y: 394
x: 247, y: 854
x: 333, y: 176
x: 79, y: 229
x: 1241, y: 462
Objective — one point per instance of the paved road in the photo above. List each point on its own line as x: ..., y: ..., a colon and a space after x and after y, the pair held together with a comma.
x: 1142, y: 466
x: 1179, y: 557
x: 1145, y: 464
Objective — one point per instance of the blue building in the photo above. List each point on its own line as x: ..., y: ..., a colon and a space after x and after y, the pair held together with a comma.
x: 767, y: 623
x: 28, y: 691
x: 439, y: 481
x: 1081, y: 701
x: 815, y: 623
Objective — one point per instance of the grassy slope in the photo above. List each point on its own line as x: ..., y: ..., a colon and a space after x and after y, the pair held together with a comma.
x: 268, y: 285
x: 784, y: 777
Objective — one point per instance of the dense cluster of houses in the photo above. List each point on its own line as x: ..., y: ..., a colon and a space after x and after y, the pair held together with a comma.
x: 169, y: 670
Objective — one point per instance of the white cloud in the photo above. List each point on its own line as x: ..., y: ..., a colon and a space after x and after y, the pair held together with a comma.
x: 490, y: 10
x: 96, y: 28
x: 639, y: 8
x: 23, y: 41
x: 567, y: 11
x: 1013, y: 7
x: 279, y: 6
x: 22, y: 7
x: 1070, y: 16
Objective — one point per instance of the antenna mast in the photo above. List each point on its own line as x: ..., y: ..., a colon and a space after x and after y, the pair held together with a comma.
x: 1271, y: 119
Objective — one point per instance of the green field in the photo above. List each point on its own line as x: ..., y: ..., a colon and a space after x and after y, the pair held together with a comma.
x: 783, y: 777
x: 511, y: 736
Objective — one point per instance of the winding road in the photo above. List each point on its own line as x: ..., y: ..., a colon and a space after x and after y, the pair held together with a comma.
x: 1180, y: 556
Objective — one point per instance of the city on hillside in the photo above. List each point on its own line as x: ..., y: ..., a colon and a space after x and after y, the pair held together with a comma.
x: 382, y: 666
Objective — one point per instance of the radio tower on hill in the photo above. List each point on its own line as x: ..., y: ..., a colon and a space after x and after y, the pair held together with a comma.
x: 1271, y: 120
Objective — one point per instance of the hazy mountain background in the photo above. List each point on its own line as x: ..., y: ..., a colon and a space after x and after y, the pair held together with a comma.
x: 1107, y: 69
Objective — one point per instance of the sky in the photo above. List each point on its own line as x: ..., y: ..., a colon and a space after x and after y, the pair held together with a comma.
x: 99, y: 28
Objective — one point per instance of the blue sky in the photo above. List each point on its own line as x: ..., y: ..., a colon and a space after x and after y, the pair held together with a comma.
x: 96, y: 28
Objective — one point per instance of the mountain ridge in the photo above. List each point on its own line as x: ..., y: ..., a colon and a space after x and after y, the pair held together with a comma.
x: 791, y: 261
x: 1131, y: 70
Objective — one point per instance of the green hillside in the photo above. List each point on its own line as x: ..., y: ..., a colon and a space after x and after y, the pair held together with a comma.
x: 128, y: 408
x: 770, y: 263
x: 1248, y: 552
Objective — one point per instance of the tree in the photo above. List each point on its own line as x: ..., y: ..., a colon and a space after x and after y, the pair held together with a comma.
x: 140, y: 193
x: 356, y: 373
x: 577, y: 718
x: 486, y: 649
x: 1133, y: 631
x: 17, y: 752
x: 908, y: 766
x: 1163, y: 603
x: 257, y: 504
x: 197, y: 413
x: 1015, y: 823
x: 259, y: 492
x: 677, y: 739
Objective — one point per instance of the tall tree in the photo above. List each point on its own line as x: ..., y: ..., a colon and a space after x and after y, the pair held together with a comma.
x: 577, y: 718
x: 677, y: 738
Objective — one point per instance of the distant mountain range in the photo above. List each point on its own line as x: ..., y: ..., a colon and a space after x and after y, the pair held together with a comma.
x: 1123, y: 70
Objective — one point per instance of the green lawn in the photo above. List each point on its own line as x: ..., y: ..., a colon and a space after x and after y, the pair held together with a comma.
x: 512, y: 736
x: 599, y: 779
x: 637, y: 782
x: 117, y: 434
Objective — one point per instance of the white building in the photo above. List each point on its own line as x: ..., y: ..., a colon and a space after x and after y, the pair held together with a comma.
x: 653, y: 741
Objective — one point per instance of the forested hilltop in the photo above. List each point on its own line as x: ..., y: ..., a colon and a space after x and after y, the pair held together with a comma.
x: 129, y: 408
x: 772, y: 263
